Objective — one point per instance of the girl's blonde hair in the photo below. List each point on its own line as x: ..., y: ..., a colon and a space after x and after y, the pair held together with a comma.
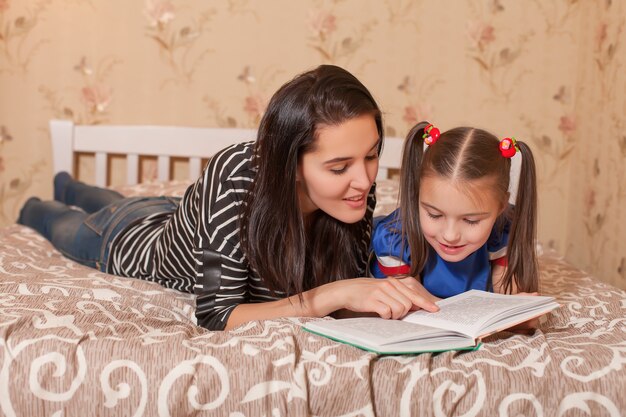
x: 465, y: 154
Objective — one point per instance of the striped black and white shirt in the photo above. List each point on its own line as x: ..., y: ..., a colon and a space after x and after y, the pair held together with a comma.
x: 197, y: 247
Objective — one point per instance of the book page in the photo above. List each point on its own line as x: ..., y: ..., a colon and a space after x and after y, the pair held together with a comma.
x: 375, y: 330
x: 467, y: 312
x: 390, y: 336
x: 473, y: 309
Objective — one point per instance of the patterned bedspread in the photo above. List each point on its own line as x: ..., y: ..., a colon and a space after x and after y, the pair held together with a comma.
x: 75, y: 341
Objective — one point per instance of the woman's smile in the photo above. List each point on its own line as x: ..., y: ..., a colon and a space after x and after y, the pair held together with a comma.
x: 356, y: 202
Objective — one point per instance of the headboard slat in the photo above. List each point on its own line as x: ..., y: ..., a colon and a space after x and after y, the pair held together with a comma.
x: 194, y: 167
x: 158, y: 140
x: 163, y: 168
x: 132, y: 168
x: 193, y: 143
x: 101, y: 169
x: 62, y: 135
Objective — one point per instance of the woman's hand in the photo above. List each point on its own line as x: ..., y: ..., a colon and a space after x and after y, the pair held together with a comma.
x: 417, y: 286
x: 390, y: 298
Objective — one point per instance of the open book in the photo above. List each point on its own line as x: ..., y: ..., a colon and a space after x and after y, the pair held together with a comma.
x: 459, y: 324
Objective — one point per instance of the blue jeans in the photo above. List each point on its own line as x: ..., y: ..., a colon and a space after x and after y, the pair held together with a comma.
x: 86, y: 235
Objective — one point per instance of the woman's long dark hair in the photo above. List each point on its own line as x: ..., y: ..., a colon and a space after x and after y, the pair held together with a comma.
x: 465, y: 154
x: 273, y: 235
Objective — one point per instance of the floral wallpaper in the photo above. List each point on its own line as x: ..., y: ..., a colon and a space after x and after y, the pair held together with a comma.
x: 548, y: 72
x: 597, y: 217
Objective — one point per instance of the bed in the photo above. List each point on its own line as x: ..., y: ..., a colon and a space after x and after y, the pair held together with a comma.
x: 75, y: 341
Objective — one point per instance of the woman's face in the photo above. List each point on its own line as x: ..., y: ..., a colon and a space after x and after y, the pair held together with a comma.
x: 337, y: 175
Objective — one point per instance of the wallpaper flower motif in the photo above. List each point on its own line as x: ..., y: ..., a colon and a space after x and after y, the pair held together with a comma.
x: 4, y: 137
x: 554, y: 141
x: 94, y: 94
x: 557, y: 14
x: 254, y: 107
x: 417, y: 106
x: 497, y: 55
x: 324, y: 34
x: 159, y: 13
x: 601, y: 161
x: 16, y: 184
x: 403, y: 12
x: 179, y: 47
x: 482, y: 34
x: 606, y: 46
x: 496, y: 65
x: 552, y: 150
x: 253, y: 104
x: 241, y: 7
x: 16, y: 48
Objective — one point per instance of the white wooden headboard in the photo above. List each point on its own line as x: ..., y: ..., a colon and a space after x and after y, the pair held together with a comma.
x: 163, y: 142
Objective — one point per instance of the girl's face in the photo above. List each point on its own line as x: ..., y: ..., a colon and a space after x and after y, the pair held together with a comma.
x: 336, y: 177
x: 455, y: 221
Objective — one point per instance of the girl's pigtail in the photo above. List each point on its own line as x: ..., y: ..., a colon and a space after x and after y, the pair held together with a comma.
x: 522, y: 255
x: 409, y: 198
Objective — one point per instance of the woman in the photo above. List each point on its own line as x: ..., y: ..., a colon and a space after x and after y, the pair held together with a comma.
x: 271, y: 229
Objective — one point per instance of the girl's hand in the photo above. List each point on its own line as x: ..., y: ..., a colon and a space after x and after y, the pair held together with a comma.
x: 390, y: 298
x: 527, y: 327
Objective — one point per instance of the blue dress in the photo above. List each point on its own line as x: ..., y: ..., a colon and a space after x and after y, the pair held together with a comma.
x: 441, y: 278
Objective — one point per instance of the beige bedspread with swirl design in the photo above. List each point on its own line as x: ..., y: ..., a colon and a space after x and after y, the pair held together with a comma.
x: 75, y: 341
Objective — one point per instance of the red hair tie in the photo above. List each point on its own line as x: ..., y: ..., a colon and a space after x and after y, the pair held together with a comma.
x: 431, y: 134
x: 508, y: 147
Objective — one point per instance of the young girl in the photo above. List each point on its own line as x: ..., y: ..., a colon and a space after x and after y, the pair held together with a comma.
x: 455, y: 228
x: 272, y: 228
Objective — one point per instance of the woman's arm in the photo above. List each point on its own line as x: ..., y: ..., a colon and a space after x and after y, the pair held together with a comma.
x: 389, y: 298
